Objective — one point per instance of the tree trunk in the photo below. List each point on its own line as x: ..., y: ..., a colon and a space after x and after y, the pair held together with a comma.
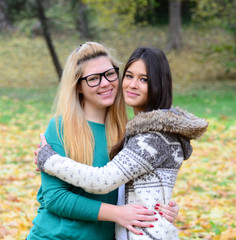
x: 174, y: 40
x: 82, y: 20
x: 48, y: 39
x: 4, y: 21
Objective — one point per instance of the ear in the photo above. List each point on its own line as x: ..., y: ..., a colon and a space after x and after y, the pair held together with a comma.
x: 80, y: 90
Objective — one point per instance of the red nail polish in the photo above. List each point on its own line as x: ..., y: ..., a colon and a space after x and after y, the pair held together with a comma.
x: 156, y: 219
x: 145, y: 207
x: 158, y: 204
x: 140, y: 233
x: 156, y: 208
x: 155, y: 213
x: 151, y: 225
x: 160, y: 213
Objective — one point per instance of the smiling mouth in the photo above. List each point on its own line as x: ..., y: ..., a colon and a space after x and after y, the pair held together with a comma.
x: 132, y: 94
x: 106, y: 93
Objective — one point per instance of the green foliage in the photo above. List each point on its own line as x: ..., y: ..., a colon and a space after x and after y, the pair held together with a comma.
x: 217, y: 228
x: 219, y: 13
x: 118, y: 15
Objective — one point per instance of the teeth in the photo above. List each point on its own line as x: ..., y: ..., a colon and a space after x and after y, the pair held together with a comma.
x: 105, y: 93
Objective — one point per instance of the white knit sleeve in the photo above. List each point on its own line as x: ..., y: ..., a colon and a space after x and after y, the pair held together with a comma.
x: 128, y: 164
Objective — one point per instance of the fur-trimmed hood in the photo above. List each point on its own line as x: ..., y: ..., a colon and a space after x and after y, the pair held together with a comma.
x: 174, y: 120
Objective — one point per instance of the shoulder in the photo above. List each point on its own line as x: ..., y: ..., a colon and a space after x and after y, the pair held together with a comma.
x: 154, y: 139
x: 54, y: 135
x: 54, y: 127
x: 150, y: 146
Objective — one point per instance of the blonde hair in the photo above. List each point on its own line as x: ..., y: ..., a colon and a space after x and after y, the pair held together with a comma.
x: 78, y: 139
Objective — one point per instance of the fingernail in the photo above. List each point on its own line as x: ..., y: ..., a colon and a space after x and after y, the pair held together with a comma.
x: 140, y: 233
x: 155, y: 213
x: 145, y: 207
x: 158, y: 204
x: 151, y: 225
x: 156, y: 219
x: 160, y: 213
x: 156, y: 208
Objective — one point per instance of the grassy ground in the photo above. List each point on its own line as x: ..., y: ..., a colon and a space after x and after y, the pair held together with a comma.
x: 203, y: 84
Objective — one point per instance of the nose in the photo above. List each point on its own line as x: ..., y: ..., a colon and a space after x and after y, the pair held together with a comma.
x: 133, y: 83
x: 104, y: 82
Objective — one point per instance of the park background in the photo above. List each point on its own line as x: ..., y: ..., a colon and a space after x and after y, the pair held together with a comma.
x: 198, y: 37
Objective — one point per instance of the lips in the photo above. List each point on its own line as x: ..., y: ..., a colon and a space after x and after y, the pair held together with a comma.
x: 132, y: 94
x: 105, y: 93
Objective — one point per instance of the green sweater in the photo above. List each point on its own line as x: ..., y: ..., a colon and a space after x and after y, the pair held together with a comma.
x: 67, y: 212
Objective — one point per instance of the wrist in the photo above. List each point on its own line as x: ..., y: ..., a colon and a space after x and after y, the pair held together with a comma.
x: 108, y: 212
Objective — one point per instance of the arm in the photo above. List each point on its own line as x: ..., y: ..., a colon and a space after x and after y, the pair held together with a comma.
x: 60, y: 200
x: 127, y: 215
x: 58, y: 196
x: 127, y: 165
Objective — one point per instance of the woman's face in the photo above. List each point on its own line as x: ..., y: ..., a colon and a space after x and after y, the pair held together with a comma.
x: 135, y: 86
x: 102, y: 96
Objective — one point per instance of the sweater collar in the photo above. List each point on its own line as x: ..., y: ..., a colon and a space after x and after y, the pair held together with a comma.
x: 174, y: 120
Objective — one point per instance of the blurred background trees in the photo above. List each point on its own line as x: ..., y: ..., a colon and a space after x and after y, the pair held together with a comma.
x: 93, y: 19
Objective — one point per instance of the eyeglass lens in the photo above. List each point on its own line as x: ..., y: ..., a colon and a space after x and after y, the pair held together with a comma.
x: 94, y: 79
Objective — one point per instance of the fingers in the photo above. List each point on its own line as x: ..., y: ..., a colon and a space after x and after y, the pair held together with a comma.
x: 36, y: 152
x: 172, y: 204
x: 135, y: 231
x: 43, y: 139
x: 168, y: 216
x: 144, y: 214
x: 147, y: 218
x: 169, y: 212
x: 143, y: 224
x: 139, y: 224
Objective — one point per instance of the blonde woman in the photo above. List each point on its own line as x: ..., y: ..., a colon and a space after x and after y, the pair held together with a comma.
x: 89, y: 119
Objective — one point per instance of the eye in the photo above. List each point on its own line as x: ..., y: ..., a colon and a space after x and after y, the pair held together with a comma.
x: 129, y: 76
x: 93, y: 78
x: 110, y: 73
x: 143, y: 80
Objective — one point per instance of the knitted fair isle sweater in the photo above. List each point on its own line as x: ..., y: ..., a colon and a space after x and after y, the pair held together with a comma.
x: 156, y: 144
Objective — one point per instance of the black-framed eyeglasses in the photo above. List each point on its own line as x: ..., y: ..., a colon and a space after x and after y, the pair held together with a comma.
x: 95, y: 79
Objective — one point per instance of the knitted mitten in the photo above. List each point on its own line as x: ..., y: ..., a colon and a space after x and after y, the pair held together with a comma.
x: 44, y: 154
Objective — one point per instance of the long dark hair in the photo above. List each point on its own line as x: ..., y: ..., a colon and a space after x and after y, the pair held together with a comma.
x: 159, y: 77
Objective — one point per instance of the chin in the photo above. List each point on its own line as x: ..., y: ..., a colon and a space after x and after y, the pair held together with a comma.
x: 108, y: 104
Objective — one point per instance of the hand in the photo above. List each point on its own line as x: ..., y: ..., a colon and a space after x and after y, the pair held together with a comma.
x: 43, y: 143
x: 169, y: 211
x: 131, y: 215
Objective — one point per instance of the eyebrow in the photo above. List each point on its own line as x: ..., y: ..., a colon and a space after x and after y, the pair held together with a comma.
x: 139, y: 74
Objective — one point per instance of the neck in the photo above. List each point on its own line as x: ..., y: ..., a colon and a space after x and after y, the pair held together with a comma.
x: 136, y: 110
x: 95, y: 115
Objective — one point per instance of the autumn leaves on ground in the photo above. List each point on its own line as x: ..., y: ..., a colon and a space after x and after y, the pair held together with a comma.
x: 205, y: 188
